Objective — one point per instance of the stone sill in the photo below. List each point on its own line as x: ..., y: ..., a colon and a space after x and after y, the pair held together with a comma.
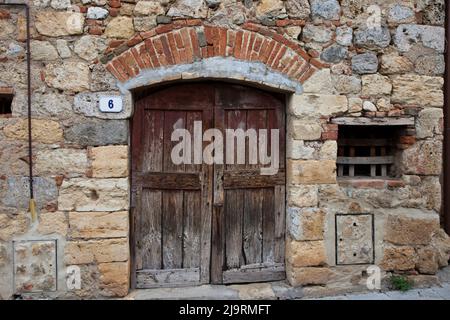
x: 370, y: 183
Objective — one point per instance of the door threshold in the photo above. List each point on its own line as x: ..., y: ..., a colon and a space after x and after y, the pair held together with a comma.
x: 251, y: 291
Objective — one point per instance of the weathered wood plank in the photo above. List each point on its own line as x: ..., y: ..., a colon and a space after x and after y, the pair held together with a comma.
x: 365, y: 160
x: 268, y: 225
x: 149, y: 242
x: 234, y: 206
x: 252, y: 179
x: 163, y: 278
x: 191, y: 229
x: 365, y: 142
x: 172, y: 229
x: 386, y: 121
x: 252, y: 226
x: 169, y: 181
x: 254, y: 275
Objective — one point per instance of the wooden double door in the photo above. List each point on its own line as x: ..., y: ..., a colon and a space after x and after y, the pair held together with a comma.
x: 195, y: 223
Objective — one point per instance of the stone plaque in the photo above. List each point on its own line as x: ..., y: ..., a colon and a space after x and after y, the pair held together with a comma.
x: 35, y: 266
x: 354, y: 237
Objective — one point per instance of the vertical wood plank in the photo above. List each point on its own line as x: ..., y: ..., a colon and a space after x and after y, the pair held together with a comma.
x: 373, y: 167
x: 252, y: 226
x: 192, y: 229
x: 150, y: 230
x: 234, y: 206
x: 383, y: 166
x: 268, y: 225
x: 351, y: 167
x: 172, y: 229
x: 280, y: 223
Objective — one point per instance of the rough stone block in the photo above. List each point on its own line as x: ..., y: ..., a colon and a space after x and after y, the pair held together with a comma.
x: 61, y: 161
x: 98, y: 224
x: 418, y: 90
x: 98, y: 132
x: 314, y: 105
x: 376, y: 85
x: 59, y: 23
x: 306, y: 253
x: 308, y: 276
x: 96, y: 251
x: 45, y: 131
x: 53, y: 222
x: 306, y: 224
x: 93, y: 195
x: 109, y: 161
x: 305, y: 130
x: 402, y: 230
x: 423, y: 158
x: 303, y: 196
x: 398, y: 259
x: 17, y: 192
x: 114, y: 279
x: 311, y: 171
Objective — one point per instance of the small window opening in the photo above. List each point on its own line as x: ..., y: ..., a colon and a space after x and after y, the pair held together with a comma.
x: 368, y: 151
x: 5, y: 104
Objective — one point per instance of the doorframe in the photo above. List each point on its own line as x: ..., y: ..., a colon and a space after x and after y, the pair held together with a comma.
x: 133, y: 92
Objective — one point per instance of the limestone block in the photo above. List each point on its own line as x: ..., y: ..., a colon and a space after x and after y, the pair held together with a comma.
x: 70, y: 75
x: 303, y: 196
x: 423, y: 158
x: 308, y: 276
x: 398, y: 259
x: 306, y: 253
x: 96, y: 251
x: 311, y: 171
x: 402, y: 230
x: 114, y: 279
x: 61, y: 161
x: 376, y: 85
x: 59, y: 23
x: 53, y: 222
x: 306, y: 223
x: 120, y: 27
x: 80, y: 194
x: 45, y: 131
x: 315, y: 105
x: 418, y: 90
x: 109, y: 161
x: 98, y: 224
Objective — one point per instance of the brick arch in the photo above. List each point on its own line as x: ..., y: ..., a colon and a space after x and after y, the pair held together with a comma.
x: 189, y: 41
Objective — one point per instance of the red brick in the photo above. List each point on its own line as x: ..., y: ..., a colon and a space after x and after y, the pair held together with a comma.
x: 123, y: 75
x: 152, y: 53
x: 137, y: 58
x: 173, y: 48
x: 144, y: 55
x: 114, y: 3
x: 96, y: 30
x: 148, y: 34
x: 238, y: 44
x: 92, y: 22
x: 4, y: 14
x: 188, y: 46
x: 298, y: 22
x: 193, y: 22
x: 268, y: 46
x: 130, y: 64
x: 195, y: 45
x: 305, y: 76
x: 134, y: 40
x: 407, y: 140
x: 245, y: 40
x: 166, y: 49
x: 283, y: 23
x: 115, y: 43
x: 222, y: 41
x: 395, y: 183
x: 330, y: 127
x: 114, y: 12
x: 280, y: 54
x: 164, y: 28
x: 178, y: 40
x: 330, y: 135
x: 364, y: 183
x: 274, y: 53
x: 319, y: 64
x: 251, y: 27
x: 83, y: 9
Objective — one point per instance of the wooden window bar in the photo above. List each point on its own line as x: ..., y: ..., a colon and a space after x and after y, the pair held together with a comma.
x: 377, y: 159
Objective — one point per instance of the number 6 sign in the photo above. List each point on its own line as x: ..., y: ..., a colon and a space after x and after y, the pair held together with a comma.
x: 110, y: 104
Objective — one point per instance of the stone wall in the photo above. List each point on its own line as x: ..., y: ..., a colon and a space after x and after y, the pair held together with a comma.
x: 338, y: 62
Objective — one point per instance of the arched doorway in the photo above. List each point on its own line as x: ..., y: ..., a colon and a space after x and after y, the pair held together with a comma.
x: 193, y: 222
